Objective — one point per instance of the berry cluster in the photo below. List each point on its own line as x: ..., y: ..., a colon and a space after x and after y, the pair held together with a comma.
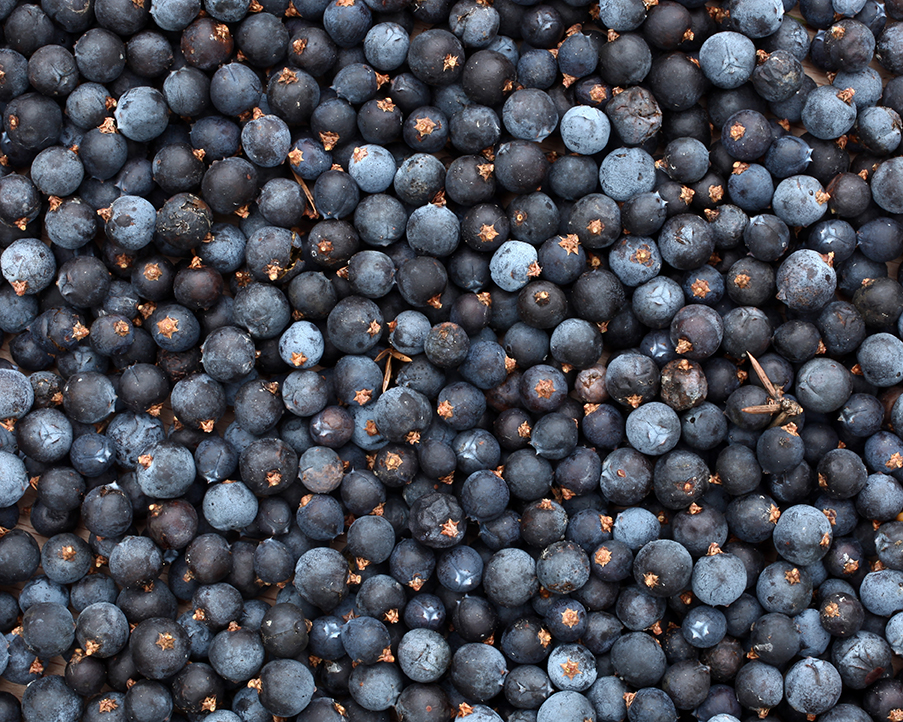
x: 492, y: 359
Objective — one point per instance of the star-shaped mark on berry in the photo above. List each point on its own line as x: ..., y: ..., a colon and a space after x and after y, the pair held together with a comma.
x: 450, y: 528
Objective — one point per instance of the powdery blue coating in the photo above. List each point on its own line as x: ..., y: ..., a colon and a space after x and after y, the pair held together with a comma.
x: 585, y: 130
x: 476, y: 25
x: 579, y: 328
x: 686, y: 241
x: 509, y: 577
x: 16, y: 394
x: 225, y: 252
x: 627, y: 172
x: 505, y: 46
x: 883, y: 494
x: 484, y: 365
x: 567, y: 705
x: 229, y: 506
x: 776, y: 593
x: 791, y: 36
x: 86, y: 105
x: 102, y: 403
x: 386, y: 46
x: 236, y: 668
x: 4, y: 653
x: 881, y: 592
x: 752, y: 189
x: 268, y: 249
x: 607, y: 697
x: 301, y: 346
x: 537, y: 125
x: 844, y: 713
x: 866, y: 83
x: 510, y: 265
x: 227, y: 11
x: 222, y: 715
x: 812, y: 686
x: 787, y: 156
x: 189, y: 328
x: 562, y: 576
x: 894, y: 633
x: 187, y: 91
x: 314, y: 158
x: 133, y: 548
x: 380, y: 219
x: 141, y: 114
x: 768, y: 689
x: 29, y: 260
x: 13, y: 479
x: 410, y: 332
x: 291, y: 686
x: 879, y: 451
x: 756, y: 18
x: 727, y: 59
x: 433, y: 230
x: 215, y: 459
x: 418, y: 179
x: 656, y: 302
x: 847, y: 7
x: 174, y: 15
x: 886, y: 185
x: 792, y: 108
x: 266, y: 141
x: 43, y: 589
x: 376, y: 695
x: 371, y: 273
x: 175, y: 458
x: 800, y: 200
x: 799, y: 532
x: 635, y: 260
x: 132, y: 223
x: 881, y: 359
x: 880, y: 128
x: 847, y: 655
x: 719, y: 579
x: 577, y: 55
x: 16, y: 312
x: 622, y: 15
x: 636, y: 527
x: 814, y: 638
x: 67, y: 707
x: 690, y: 155
x: 825, y: 115
x: 311, y: 568
x: 482, y: 713
x: 361, y: 436
x: 806, y: 281
x: 424, y: 655
x: 476, y: 449
x: 226, y: 81
x: 131, y: 434
x: 355, y: 83
x: 638, y: 659
x: 372, y: 167
x: 57, y: 171
x: 653, y: 429
x: 536, y: 68
x: 53, y: 430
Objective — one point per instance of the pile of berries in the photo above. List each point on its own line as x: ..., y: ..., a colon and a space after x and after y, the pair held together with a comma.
x: 512, y: 361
